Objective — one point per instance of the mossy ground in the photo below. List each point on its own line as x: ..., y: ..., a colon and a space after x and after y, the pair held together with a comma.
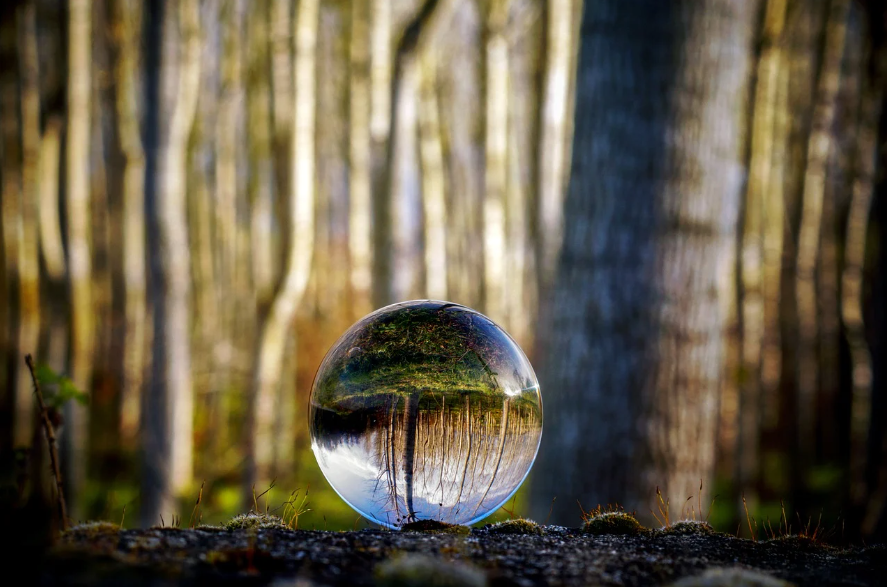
x: 515, y: 526
x: 435, y: 527
x: 617, y: 523
x: 560, y: 556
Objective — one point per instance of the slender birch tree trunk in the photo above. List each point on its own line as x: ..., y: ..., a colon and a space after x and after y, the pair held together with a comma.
x: 79, y: 246
x: 633, y: 351
x: 169, y: 410
x: 300, y: 224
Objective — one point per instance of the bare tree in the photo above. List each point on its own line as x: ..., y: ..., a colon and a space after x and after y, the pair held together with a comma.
x: 633, y: 349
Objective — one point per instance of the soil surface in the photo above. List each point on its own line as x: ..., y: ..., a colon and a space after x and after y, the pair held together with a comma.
x: 561, y: 556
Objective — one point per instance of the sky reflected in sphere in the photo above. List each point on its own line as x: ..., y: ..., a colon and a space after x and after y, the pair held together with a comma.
x: 425, y: 410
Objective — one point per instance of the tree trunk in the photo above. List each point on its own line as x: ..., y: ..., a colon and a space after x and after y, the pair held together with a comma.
x: 633, y: 352
x: 79, y: 255
x: 758, y: 197
x: 168, y: 421
x: 495, y: 160
x: 809, y: 233
x: 552, y: 146
x: 28, y: 249
x: 300, y: 224
x: 359, y: 156
x: 127, y: 17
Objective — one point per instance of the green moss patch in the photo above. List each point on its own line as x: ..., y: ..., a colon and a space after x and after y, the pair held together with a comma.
x: 435, y: 527
x: 516, y: 526
x: 620, y: 523
x: 255, y: 520
x: 419, y: 570
x: 687, y: 528
x: 91, y: 530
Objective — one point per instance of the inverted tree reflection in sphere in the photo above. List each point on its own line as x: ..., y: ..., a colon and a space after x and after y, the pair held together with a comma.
x: 425, y: 410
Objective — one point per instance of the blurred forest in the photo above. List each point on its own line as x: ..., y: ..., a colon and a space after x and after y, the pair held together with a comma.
x: 200, y: 196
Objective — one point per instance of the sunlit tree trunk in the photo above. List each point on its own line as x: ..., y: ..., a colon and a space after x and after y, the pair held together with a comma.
x: 168, y: 418
x: 757, y: 207
x: 495, y: 159
x: 553, y: 159
x: 433, y: 187
x: 28, y: 249
x: 634, y: 350
x: 48, y: 210
x: 79, y: 250
x: 127, y: 25
x: 359, y: 156
x: 380, y: 123
x: 227, y: 134
x: 300, y: 224
x: 818, y: 150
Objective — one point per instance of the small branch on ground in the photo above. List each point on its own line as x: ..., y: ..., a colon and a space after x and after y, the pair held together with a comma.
x: 50, y: 440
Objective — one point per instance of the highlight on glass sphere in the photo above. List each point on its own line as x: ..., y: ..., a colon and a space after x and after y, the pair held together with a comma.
x: 425, y: 410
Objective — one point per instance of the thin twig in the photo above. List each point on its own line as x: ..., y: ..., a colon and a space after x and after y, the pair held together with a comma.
x: 50, y: 440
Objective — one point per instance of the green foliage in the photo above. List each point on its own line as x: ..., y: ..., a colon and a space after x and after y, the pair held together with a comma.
x: 687, y: 528
x: 254, y: 520
x: 58, y: 389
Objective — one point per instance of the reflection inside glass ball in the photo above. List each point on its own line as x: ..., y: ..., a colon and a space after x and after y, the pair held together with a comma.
x: 425, y: 410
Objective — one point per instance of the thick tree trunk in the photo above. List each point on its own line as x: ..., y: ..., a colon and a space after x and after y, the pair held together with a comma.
x: 633, y: 353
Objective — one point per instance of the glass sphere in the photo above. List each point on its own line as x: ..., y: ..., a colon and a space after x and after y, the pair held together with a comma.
x: 425, y: 410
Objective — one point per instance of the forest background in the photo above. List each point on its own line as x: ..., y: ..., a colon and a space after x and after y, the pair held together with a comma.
x: 200, y: 196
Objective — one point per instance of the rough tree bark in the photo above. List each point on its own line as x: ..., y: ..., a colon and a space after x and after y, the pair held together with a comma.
x: 633, y: 351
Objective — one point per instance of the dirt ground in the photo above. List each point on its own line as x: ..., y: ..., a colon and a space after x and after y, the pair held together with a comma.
x: 104, y: 555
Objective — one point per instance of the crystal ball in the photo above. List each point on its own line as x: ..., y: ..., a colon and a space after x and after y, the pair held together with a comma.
x: 425, y: 410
